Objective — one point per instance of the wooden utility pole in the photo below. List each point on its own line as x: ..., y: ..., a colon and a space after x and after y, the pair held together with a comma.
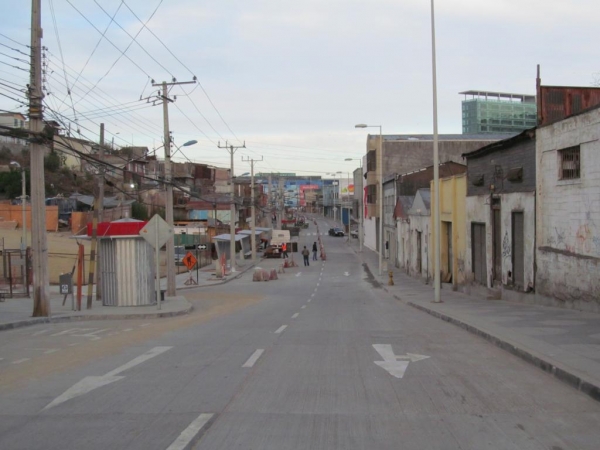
x: 41, y: 285
x: 171, y: 288
x: 252, y: 208
x: 231, y: 149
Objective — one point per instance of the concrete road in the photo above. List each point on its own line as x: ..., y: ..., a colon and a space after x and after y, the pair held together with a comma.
x: 320, y: 359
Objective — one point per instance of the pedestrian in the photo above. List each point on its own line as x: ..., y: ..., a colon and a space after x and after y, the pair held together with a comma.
x: 306, y: 253
x: 315, y: 251
x: 284, y: 250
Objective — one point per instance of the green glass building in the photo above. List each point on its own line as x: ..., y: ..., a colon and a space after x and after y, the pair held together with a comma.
x: 497, y: 112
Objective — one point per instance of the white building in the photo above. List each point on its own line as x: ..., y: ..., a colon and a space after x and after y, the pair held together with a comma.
x: 568, y: 211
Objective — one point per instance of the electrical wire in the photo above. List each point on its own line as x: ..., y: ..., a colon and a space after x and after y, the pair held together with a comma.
x: 97, y: 44
x: 12, y: 40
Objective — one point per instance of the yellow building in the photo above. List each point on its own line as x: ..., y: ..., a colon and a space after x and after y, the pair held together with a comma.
x: 453, y: 194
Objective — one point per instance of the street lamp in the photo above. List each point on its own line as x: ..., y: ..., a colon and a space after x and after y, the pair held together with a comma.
x: 334, y: 175
x: 17, y: 166
x: 380, y: 189
x: 362, y: 206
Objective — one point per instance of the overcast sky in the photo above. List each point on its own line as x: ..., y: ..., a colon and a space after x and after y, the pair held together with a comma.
x: 290, y: 78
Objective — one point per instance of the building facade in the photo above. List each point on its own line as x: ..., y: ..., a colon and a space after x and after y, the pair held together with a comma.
x: 453, y: 243
x: 497, y: 112
x: 500, y: 214
x: 568, y: 211
x: 407, y: 153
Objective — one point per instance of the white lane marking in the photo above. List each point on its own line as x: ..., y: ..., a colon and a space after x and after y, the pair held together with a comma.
x: 1, y: 359
x: 51, y: 350
x: 140, y: 359
x: 396, y: 365
x: 298, y: 274
x: 252, y: 360
x: 128, y: 329
x: 88, y: 384
x: 70, y: 331
x: 187, y: 435
x: 73, y: 345
x: 145, y: 325
x: 303, y: 307
x: 317, y: 286
x: 309, y: 300
x: 37, y: 333
x: 19, y: 361
x: 280, y: 329
x: 295, y: 315
x: 347, y: 274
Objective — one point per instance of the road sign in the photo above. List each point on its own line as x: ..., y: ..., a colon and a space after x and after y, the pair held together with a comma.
x: 189, y: 260
x: 202, y: 247
x: 157, y: 231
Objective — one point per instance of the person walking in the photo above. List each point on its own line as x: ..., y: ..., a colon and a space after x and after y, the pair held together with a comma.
x: 306, y: 253
x: 284, y: 250
x: 314, y: 249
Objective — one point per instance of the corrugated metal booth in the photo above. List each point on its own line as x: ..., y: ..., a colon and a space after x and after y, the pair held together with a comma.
x: 125, y: 263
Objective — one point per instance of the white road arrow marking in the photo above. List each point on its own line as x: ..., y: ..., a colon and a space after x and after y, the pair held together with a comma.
x: 298, y: 274
x: 88, y: 384
x: 396, y: 365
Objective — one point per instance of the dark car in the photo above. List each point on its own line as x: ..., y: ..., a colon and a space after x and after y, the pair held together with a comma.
x: 336, y: 232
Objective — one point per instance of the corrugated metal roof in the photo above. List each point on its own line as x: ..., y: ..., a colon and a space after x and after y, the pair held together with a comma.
x: 559, y: 102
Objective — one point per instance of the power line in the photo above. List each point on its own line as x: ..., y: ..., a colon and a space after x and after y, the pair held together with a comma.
x: 134, y: 38
x: 97, y: 44
x: 109, y: 41
x: 12, y: 40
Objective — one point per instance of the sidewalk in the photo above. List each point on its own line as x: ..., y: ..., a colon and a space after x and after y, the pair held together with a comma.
x: 562, y: 342
x: 16, y: 312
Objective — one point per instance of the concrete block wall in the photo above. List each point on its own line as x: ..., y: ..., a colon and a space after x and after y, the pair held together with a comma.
x: 568, y: 214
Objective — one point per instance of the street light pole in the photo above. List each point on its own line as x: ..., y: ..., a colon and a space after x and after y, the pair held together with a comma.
x: 380, y: 188
x: 436, y: 172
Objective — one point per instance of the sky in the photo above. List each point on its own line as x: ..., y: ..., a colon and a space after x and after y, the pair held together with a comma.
x: 290, y: 79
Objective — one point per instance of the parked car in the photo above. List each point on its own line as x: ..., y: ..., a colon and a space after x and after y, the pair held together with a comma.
x: 336, y: 232
x: 354, y: 234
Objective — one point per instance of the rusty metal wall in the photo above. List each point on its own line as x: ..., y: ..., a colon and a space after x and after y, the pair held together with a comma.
x: 127, y: 267
x: 557, y: 102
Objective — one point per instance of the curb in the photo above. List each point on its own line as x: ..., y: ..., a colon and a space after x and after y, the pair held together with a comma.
x: 560, y: 373
x: 69, y: 318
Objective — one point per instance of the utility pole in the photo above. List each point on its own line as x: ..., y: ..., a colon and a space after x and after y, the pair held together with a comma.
x: 232, y: 149
x: 252, y: 208
x: 270, y: 198
x: 41, y: 285
x: 279, y: 202
x: 100, y: 204
x: 171, y: 289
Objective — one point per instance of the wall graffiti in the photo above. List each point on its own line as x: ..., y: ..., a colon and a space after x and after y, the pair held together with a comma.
x: 583, y: 238
x: 506, y: 247
x: 560, y: 237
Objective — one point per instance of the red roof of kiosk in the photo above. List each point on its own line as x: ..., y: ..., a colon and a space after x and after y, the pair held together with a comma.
x: 124, y: 227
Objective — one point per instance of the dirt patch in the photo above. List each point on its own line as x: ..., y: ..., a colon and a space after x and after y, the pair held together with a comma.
x: 205, y: 309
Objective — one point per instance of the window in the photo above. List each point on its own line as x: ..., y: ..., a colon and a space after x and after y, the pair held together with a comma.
x: 569, y: 163
x: 372, y: 194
